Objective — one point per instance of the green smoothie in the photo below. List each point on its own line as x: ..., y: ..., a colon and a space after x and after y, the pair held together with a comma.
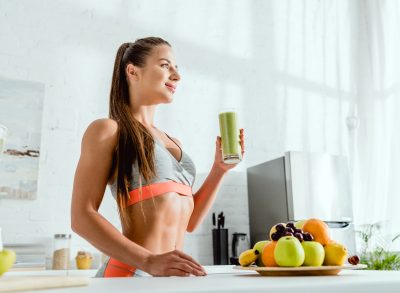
x: 230, y: 137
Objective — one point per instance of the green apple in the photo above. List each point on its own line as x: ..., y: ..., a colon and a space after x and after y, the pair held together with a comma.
x: 299, y: 224
x: 260, y: 247
x: 314, y: 253
x: 289, y: 252
x: 7, y: 259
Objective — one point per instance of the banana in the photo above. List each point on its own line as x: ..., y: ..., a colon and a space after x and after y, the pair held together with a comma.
x: 247, y: 257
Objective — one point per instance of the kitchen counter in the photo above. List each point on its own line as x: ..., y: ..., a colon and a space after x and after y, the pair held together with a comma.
x: 225, y: 279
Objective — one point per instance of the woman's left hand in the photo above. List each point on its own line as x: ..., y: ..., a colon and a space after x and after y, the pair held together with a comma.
x: 219, y: 163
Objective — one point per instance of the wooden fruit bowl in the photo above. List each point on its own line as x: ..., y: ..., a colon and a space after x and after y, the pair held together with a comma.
x: 301, y: 271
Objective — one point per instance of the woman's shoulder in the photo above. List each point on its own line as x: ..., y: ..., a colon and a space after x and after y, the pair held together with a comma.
x: 105, y: 126
x: 101, y: 130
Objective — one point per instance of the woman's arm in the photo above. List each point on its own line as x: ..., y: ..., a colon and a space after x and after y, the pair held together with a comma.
x: 90, y: 181
x: 205, y: 196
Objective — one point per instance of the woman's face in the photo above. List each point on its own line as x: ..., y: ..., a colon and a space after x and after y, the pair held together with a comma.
x: 157, y: 80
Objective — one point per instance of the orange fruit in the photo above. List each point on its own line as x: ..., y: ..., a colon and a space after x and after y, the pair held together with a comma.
x: 319, y: 229
x: 268, y: 258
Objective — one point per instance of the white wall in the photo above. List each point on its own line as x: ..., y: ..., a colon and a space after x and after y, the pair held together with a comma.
x: 230, y: 53
x: 70, y: 47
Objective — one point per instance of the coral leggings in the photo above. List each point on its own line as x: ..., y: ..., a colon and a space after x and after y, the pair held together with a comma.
x: 115, y: 269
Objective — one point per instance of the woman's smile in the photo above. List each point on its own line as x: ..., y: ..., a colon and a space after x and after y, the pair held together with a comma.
x: 171, y: 87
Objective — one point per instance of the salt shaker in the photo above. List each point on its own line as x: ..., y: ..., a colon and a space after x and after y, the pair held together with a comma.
x: 61, y: 251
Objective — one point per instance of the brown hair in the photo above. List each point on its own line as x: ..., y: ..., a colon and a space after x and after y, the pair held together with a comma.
x: 135, y: 143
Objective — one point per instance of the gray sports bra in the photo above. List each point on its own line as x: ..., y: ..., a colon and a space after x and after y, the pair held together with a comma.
x: 171, y: 175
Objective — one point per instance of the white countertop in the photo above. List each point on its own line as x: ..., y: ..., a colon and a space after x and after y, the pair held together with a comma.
x: 225, y: 279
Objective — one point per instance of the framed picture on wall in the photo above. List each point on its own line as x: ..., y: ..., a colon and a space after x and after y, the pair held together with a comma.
x: 21, y: 107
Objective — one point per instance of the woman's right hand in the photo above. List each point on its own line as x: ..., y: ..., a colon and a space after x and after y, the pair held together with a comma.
x: 173, y: 263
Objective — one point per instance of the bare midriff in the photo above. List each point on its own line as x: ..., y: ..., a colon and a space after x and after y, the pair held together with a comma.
x: 159, y: 223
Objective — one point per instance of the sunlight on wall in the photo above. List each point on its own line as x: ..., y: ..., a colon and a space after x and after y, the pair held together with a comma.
x: 315, y: 84
x: 312, y: 41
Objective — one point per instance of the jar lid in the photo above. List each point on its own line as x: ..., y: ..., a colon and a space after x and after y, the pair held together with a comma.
x: 62, y: 236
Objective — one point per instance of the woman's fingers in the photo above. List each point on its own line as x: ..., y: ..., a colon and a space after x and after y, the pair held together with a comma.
x: 177, y: 272
x: 241, y: 137
x: 194, y: 265
x: 190, y: 260
x: 178, y: 262
x: 218, y: 143
x: 174, y: 263
x: 188, y: 268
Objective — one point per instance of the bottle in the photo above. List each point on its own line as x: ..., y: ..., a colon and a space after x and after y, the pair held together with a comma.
x: 61, y: 251
x: 83, y: 260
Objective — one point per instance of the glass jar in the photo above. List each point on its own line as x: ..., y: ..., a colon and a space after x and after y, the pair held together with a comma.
x: 61, y: 251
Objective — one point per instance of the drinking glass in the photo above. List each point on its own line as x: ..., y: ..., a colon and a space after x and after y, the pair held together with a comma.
x: 228, y: 124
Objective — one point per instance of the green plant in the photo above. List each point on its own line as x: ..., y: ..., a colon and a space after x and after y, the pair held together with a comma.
x: 379, y: 257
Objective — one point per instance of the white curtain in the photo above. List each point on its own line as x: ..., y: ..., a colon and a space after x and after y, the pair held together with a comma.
x: 338, y: 73
x: 377, y: 159
x: 314, y: 78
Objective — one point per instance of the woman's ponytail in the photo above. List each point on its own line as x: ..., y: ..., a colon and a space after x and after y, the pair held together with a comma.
x: 135, y: 143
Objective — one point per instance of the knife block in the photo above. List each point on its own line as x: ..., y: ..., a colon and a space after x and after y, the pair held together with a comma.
x: 220, y: 246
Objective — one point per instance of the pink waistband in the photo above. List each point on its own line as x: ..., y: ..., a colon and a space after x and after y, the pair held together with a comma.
x: 155, y: 189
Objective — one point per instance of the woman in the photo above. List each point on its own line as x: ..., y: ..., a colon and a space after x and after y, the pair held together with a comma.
x: 148, y: 173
